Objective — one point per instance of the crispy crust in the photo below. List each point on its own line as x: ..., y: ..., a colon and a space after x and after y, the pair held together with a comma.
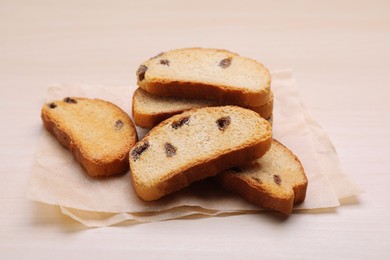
x: 196, y: 171
x: 146, y: 120
x: 184, y: 177
x: 254, y: 194
x: 266, y: 110
x: 203, y: 90
x: 151, y: 120
x: 258, y: 195
x: 94, y: 168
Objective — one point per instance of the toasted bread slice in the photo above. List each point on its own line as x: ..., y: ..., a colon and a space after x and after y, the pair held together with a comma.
x: 200, y: 73
x: 275, y: 181
x: 149, y: 109
x: 98, y: 133
x: 194, y: 145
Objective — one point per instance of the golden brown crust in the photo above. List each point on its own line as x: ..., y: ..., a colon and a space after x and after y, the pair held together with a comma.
x: 184, y: 177
x: 202, y: 88
x: 93, y: 167
x: 150, y: 120
x: 299, y: 189
x: 253, y: 193
x: 205, y: 91
x: 263, y: 196
x: 146, y: 120
x: 266, y: 110
x: 196, y: 170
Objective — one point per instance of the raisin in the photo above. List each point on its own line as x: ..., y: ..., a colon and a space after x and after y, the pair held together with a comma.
x: 181, y: 122
x: 70, y: 100
x: 236, y: 169
x: 52, y: 105
x: 164, y: 62
x: 118, y: 124
x: 137, y: 151
x: 277, y: 179
x: 223, y: 123
x: 170, y: 150
x: 257, y: 180
x: 141, y: 72
x: 225, y: 63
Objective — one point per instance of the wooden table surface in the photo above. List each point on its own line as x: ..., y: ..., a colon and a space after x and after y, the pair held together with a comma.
x: 339, y: 52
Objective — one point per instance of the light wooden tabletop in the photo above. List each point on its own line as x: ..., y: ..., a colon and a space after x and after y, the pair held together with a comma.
x: 339, y: 52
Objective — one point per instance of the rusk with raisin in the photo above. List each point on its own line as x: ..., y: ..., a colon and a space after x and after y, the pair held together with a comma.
x: 194, y: 145
x: 200, y: 73
x: 149, y: 109
x: 275, y: 181
x: 98, y: 133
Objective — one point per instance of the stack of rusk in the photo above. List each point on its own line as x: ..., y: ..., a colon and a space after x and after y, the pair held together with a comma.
x: 207, y: 110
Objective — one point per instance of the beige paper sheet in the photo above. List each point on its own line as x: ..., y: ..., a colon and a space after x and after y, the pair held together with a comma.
x: 57, y: 178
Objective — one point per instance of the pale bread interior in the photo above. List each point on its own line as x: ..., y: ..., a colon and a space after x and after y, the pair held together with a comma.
x: 277, y: 172
x: 196, y: 142
x: 147, y: 103
x: 198, y: 65
x: 94, y: 127
x: 150, y: 109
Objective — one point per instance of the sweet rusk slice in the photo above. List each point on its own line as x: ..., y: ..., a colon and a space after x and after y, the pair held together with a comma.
x: 194, y: 145
x: 98, y: 133
x: 200, y: 73
x: 149, y: 109
x: 275, y: 181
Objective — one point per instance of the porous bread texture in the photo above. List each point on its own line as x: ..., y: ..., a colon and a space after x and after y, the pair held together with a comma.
x: 149, y: 109
x: 202, y: 73
x: 194, y: 145
x: 275, y: 181
x: 98, y: 133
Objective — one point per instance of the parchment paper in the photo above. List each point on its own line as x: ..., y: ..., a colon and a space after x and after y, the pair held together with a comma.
x: 57, y: 178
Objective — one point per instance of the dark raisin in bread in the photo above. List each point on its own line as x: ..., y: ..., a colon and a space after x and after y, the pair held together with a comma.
x: 149, y: 109
x: 200, y: 73
x: 98, y: 133
x: 194, y: 145
x: 275, y: 181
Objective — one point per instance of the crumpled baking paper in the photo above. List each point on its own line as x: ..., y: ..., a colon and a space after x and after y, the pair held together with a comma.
x: 58, y: 179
